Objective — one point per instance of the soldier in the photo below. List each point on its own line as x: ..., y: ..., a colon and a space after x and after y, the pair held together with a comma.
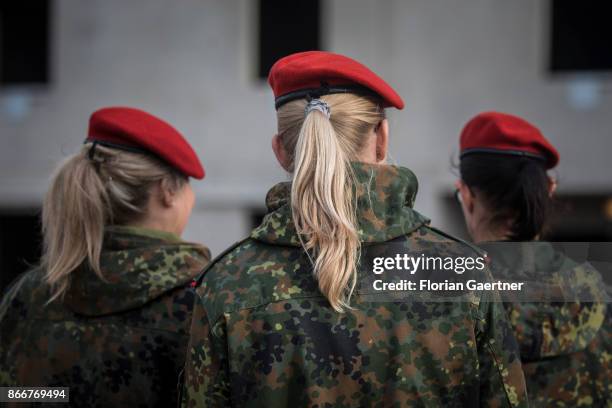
x: 280, y: 319
x: 107, y: 312
x: 505, y: 194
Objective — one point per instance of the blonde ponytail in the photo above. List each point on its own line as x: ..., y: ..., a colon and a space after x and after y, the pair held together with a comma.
x: 86, y: 195
x: 322, y: 199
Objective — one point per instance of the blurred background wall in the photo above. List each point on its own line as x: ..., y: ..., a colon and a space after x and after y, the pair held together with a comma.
x: 198, y: 64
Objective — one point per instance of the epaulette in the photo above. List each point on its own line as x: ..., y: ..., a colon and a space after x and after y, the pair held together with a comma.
x: 198, y: 281
x: 476, y: 249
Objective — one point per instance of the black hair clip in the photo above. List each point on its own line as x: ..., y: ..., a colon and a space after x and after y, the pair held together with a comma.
x: 91, y: 154
x: 92, y: 150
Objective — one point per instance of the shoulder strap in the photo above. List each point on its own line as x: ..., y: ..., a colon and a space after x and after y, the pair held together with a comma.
x: 476, y: 249
x: 196, y: 282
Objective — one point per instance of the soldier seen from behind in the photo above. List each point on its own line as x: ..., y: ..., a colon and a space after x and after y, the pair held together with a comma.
x: 280, y: 319
x: 505, y: 194
x: 107, y: 312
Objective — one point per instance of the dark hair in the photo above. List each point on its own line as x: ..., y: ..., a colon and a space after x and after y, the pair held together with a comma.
x: 514, y: 188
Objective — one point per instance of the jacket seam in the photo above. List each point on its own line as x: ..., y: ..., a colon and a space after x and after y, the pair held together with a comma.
x: 499, y: 370
x: 198, y: 277
x: 239, y: 309
x: 102, y: 323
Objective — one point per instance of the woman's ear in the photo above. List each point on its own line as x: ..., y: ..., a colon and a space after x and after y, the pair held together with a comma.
x: 166, y: 194
x: 280, y: 152
x: 382, y: 140
x: 465, y: 196
x: 552, y: 186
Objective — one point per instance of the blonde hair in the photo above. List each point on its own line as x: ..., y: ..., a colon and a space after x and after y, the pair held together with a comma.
x: 86, y: 194
x: 322, y: 201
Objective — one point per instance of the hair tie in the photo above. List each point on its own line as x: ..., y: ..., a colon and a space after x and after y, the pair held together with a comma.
x: 92, y: 150
x: 97, y: 161
x: 317, y: 104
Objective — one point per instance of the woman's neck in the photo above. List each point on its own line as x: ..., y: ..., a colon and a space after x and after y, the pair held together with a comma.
x: 491, y: 234
x: 155, y: 224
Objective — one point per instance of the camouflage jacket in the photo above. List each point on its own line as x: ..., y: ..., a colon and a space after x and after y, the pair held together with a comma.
x: 565, y: 344
x: 119, y: 342
x: 264, y: 336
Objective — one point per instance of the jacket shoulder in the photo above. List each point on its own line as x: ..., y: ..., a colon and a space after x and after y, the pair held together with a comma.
x: 252, y: 273
x: 219, y: 259
x: 24, y: 295
x: 437, y: 235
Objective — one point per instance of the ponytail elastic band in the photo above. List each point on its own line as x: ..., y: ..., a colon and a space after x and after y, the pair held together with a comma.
x: 94, y: 143
x: 317, y: 104
x: 92, y: 150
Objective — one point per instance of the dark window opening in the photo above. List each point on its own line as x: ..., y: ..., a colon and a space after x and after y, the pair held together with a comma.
x: 286, y: 27
x: 20, y: 244
x: 24, y: 42
x: 581, y: 218
x: 256, y: 216
x: 581, y: 36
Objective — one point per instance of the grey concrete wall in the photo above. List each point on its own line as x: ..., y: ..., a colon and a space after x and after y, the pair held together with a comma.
x: 192, y: 62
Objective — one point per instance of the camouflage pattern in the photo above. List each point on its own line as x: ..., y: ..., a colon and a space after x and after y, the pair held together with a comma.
x: 565, y: 347
x: 264, y: 336
x: 119, y: 342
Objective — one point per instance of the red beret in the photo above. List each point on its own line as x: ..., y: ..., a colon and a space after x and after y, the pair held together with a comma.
x: 136, y: 130
x: 494, y: 132
x: 318, y: 73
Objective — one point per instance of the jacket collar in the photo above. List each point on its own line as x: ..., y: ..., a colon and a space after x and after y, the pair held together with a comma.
x: 384, y: 194
x: 138, y: 266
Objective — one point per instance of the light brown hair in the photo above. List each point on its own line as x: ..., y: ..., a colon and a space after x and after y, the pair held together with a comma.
x: 88, y: 193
